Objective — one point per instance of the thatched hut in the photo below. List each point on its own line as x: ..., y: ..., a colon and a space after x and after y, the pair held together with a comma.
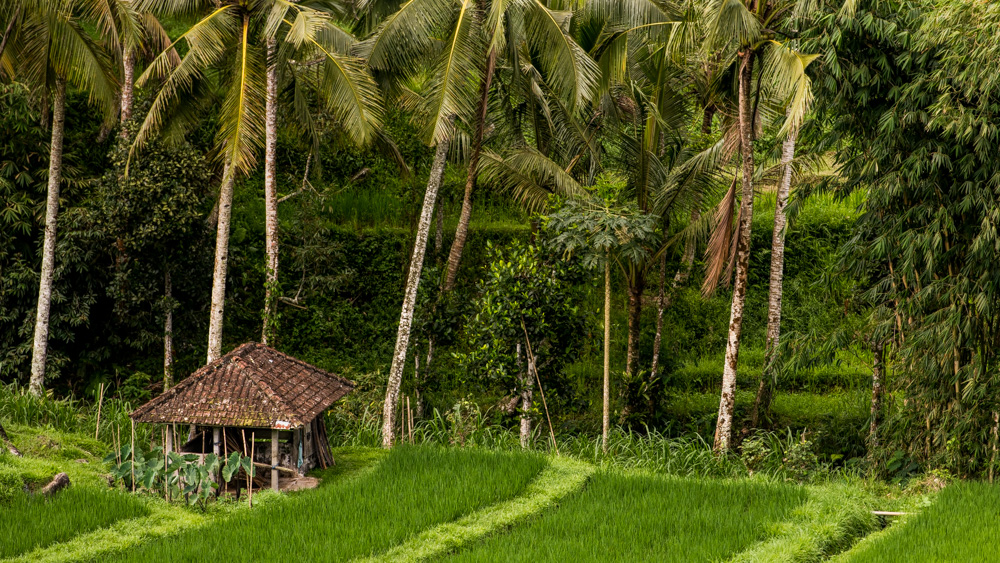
x: 253, y: 394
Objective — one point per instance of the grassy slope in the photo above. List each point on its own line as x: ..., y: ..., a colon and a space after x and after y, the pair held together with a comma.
x: 635, y: 517
x: 963, y: 526
x: 412, y: 489
x: 27, y: 523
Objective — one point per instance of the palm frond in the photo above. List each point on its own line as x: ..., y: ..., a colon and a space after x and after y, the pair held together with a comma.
x: 529, y: 176
x: 349, y: 92
x: 566, y: 67
x: 241, y: 116
x: 452, y: 89
x: 785, y: 71
x: 720, y: 251
x: 406, y: 36
x: 730, y: 23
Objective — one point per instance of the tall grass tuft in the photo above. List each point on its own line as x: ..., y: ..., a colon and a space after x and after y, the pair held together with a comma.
x: 687, y: 456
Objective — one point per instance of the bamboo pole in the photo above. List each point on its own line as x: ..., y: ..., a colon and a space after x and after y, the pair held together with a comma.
x: 409, y: 413
x: 996, y: 438
x: 132, y: 453
x: 100, y: 402
x: 249, y: 476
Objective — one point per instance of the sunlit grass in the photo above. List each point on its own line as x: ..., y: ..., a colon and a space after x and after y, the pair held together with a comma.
x: 630, y: 517
x: 29, y: 522
x: 963, y: 525
x: 412, y: 489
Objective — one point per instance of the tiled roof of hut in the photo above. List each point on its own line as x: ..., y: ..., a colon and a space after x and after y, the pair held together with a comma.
x: 252, y: 386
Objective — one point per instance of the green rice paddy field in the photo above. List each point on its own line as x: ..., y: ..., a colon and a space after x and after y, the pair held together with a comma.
x: 422, y: 503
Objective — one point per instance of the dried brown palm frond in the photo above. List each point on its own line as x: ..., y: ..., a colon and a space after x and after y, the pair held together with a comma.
x: 721, y: 244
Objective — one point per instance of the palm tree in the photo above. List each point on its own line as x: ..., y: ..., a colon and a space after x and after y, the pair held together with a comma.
x: 744, y: 27
x: 410, y: 295
x: 47, y: 48
x: 231, y: 42
x: 406, y: 49
x: 481, y: 36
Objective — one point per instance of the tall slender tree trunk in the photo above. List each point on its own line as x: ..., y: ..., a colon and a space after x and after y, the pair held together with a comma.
x: 221, y: 263
x: 878, y: 383
x: 10, y: 27
x: 636, y: 287
x: 527, y: 397
x: 439, y: 232
x: 168, y: 333
x: 410, y: 297
x: 270, y: 195
x: 606, y: 420
x: 40, y: 349
x: 128, y: 87
x: 661, y: 305
x: 727, y: 400
x: 765, y: 391
x: 462, y: 232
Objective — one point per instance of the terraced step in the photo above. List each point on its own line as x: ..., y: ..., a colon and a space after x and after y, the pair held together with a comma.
x: 562, y: 477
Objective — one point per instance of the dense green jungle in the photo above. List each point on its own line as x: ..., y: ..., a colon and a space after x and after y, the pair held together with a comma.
x: 703, y: 280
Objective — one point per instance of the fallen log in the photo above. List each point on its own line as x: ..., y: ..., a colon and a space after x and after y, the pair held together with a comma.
x: 58, y: 483
x: 10, y: 445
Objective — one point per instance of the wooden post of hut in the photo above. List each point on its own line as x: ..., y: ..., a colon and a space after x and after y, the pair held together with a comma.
x: 274, y: 459
x: 255, y: 388
x: 217, y: 450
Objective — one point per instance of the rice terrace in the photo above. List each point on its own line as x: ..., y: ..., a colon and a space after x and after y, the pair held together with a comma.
x: 500, y: 280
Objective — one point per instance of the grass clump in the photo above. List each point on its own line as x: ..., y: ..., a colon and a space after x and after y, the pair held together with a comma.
x: 29, y: 522
x: 834, y: 517
x: 412, y: 489
x: 961, y: 526
x: 624, y: 516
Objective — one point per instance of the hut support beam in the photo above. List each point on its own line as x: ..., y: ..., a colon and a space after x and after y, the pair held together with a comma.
x: 297, y: 449
x: 216, y: 448
x: 274, y: 459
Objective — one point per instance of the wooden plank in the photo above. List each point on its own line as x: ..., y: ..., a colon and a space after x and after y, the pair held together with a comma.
x: 885, y: 513
x: 274, y: 459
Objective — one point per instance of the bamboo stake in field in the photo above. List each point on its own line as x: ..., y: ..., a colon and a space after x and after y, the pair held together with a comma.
x: 253, y: 440
x: 132, y: 454
x: 534, y: 367
x: 166, y: 479
x: 996, y: 438
x: 100, y: 401
x: 409, y: 414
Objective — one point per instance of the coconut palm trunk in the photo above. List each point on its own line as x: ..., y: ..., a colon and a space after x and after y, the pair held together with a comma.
x: 40, y: 348
x: 218, y: 306
x: 128, y: 87
x: 462, y: 231
x: 727, y: 400
x: 661, y: 306
x: 606, y: 419
x: 765, y: 391
x: 410, y: 297
x: 270, y: 195
x: 635, y: 291
x: 168, y: 333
